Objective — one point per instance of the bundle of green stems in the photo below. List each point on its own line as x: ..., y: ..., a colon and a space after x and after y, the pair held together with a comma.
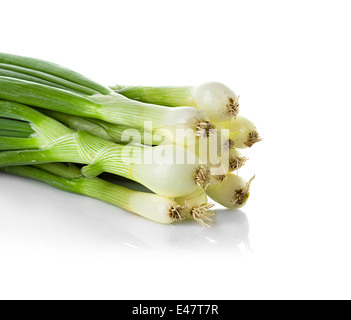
x: 176, y: 145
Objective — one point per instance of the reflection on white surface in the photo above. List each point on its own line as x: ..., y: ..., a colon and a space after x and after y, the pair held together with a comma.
x: 55, y: 218
x: 231, y: 231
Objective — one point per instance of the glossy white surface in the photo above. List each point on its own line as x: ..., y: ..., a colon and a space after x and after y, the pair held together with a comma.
x: 290, y: 63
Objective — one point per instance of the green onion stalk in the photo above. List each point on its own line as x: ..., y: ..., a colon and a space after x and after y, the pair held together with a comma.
x: 118, y: 133
x: 158, y: 168
x: 151, y: 206
x: 233, y: 192
x: 216, y: 99
x: 243, y: 132
x: 63, y: 90
x: 136, y: 199
x: 219, y: 165
x: 212, y: 151
x: 194, y: 206
x: 40, y: 71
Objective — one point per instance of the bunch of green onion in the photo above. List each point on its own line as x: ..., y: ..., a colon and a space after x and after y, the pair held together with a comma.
x: 175, y: 145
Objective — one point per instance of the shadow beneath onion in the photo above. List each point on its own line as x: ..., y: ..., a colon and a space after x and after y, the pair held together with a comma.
x: 230, y: 232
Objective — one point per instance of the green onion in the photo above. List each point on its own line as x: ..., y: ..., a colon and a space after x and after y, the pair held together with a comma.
x: 47, y: 129
x: 124, y: 135
x: 192, y: 207
x: 72, y: 119
x: 16, y: 72
x: 217, y: 100
x: 59, y: 144
x: 236, y: 160
x: 151, y: 206
x: 233, y: 192
x: 243, y: 132
x: 111, y: 108
x: 102, y: 103
x: 51, y: 72
x: 114, y: 132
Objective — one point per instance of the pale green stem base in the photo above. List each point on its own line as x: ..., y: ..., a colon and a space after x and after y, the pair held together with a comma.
x: 164, y: 96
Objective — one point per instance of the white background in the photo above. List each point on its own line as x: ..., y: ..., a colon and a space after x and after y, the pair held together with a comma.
x: 289, y: 61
